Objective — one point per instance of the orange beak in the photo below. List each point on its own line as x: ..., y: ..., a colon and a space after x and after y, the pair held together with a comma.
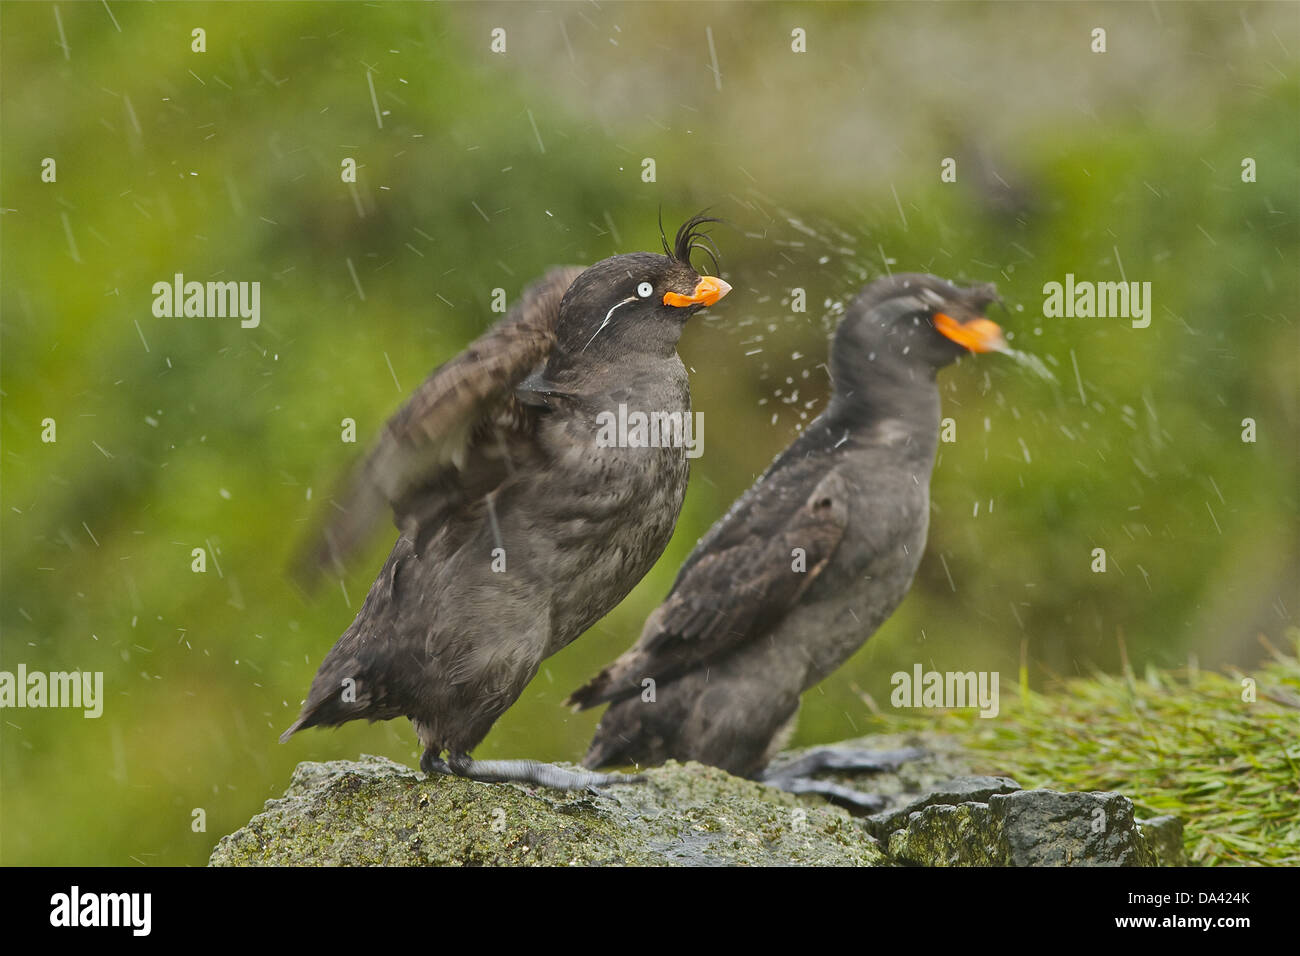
x: 977, y: 335
x: 707, y: 291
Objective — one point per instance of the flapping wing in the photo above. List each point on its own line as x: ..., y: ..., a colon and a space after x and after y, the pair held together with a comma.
x: 451, y: 437
x: 742, y: 579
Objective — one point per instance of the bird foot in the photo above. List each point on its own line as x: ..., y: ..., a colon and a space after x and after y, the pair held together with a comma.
x: 835, y: 758
x: 432, y: 764
x: 856, y: 801
x: 532, y: 772
x: 797, y: 775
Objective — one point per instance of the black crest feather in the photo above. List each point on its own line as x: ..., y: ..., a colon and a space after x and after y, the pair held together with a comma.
x: 689, y: 238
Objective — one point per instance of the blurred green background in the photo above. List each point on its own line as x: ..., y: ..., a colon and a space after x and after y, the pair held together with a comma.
x: 481, y: 170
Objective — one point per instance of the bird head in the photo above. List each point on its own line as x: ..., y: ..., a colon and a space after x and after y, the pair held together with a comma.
x: 915, y: 322
x: 639, y: 301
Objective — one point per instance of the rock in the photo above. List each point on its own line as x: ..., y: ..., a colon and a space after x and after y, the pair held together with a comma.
x: 1036, y: 828
x: 944, y: 835
x: 1164, y: 841
x: 959, y: 790
x: 1046, y: 828
x: 377, y: 812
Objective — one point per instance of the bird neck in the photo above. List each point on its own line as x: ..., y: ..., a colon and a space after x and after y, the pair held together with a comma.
x: 649, y: 381
x: 866, y: 397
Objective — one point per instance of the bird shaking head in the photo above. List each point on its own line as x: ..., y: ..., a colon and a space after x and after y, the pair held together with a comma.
x: 639, y: 301
x: 914, y: 318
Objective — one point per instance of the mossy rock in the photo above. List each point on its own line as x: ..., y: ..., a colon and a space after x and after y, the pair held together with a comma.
x: 1036, y: 828
x: 377, y: 812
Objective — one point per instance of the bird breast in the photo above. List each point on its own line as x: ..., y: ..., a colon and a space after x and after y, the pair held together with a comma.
x: 609, y: 509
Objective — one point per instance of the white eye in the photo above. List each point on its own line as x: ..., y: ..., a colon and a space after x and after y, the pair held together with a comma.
x: 644, y: 289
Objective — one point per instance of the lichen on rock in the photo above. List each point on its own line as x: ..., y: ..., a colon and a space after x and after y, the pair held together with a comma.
x: 1034, y: 828
x: 376, y: 812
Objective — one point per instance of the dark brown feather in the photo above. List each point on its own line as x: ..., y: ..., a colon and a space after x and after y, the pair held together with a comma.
x: 733, y: 592
x: 449, y: 441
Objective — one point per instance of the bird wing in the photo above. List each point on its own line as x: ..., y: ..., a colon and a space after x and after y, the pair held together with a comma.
x: 746, y: 575
x: 451, y: 439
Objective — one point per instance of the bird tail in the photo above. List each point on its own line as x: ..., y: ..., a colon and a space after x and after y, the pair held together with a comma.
x: 596, y: 691
x: 605, y: 751
x: 297, y: 725
x: 623, y: 739
x: 323, y: 704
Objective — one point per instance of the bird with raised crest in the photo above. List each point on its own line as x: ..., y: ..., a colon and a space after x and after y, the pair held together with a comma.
x: 519, y: 529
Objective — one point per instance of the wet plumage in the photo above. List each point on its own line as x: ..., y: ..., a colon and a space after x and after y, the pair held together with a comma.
x: 811, y: 560
x: 518, y: 530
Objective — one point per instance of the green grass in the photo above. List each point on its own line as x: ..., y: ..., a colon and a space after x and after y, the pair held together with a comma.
x: 1182, y: 743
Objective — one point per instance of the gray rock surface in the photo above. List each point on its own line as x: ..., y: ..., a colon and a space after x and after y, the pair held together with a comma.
x: 952, y: 792
x: 1031, y: 828
x: 377, y: 812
